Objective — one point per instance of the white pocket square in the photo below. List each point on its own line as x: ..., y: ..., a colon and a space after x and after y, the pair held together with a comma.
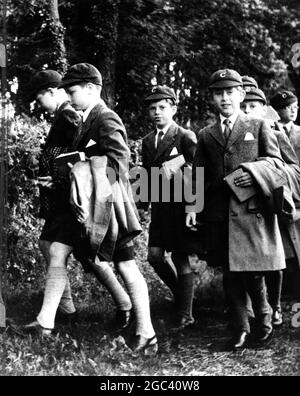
x: 174, y: 151
x: 91, y: 143
x: 249, y: 137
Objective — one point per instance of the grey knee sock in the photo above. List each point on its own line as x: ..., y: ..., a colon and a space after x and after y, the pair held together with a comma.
x: 66, y: 304
x: 55, y: 285
x: 138, y: 291
x: 108, y: 278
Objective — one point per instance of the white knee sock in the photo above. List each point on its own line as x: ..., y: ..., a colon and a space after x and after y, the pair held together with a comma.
x: 55, y: 285
x: 106, y: 276
x: 66, y: 304
x: 138, y: 291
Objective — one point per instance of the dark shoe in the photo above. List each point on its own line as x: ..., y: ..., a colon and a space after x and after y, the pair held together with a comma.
x: 183, y: 323
x: 36, y: 328
x: 240, y: 341
x: 123, y: 320
x: 277, y: 318
x: 66, y: 319
x: 264, y: 337
x: 149, y: 346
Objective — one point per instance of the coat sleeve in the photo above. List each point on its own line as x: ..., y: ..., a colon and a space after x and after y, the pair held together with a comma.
x: 112, y: 141
x: 198, y: 162
x: 189, y: 146
x: 268, y: 144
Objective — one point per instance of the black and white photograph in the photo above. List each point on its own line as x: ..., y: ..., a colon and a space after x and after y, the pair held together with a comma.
x: 149, y: 191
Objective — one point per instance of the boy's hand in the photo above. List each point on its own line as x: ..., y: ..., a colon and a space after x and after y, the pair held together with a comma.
x: 245, y: 180
x: 46, y: 182
x: 191, y: 221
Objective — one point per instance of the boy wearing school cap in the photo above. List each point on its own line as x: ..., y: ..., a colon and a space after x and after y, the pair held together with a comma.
x: 255, y: 106
x: 249, y: 83
x: 103, y: 134
x: 286, y: 105
x: 61, y: 229
x: 167, y: 229
x: 245, y: 243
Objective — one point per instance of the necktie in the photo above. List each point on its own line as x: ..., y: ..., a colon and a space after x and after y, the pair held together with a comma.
x: 227, y: 130
x: 159, y: 139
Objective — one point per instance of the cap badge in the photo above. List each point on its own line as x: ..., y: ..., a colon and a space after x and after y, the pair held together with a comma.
x: 223, y: 75
x: 284, y: 95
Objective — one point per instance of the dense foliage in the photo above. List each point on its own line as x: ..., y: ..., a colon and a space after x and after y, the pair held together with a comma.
x: 137, y: 43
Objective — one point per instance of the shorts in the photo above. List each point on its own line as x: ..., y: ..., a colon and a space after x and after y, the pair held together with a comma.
x: 62, y: 228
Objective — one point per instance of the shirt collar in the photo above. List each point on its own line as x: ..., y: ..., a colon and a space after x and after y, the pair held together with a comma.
x: 86, y: 113
x: 288, y: 126
x: 165, y: 129
x: 232, y: 119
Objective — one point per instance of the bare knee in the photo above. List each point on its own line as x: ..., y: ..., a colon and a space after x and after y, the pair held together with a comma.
x: 59, y: 254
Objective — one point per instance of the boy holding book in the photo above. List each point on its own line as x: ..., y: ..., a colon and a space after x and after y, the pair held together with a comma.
x: 61, y: 230
x: 169, y: 143
x: 243, y: 242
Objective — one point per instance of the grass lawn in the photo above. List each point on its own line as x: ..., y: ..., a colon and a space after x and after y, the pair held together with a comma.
x: 89, y: 348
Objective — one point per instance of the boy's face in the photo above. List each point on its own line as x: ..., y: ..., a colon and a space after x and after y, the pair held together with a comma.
x: 162, y: 112
x: 228, y: 100
x: 46, y: 100
x: 80, y: 96
x: 289, y: 113
x: 254, y: 108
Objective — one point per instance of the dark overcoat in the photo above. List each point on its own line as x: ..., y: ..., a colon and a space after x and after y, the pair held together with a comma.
x: 249, y: 140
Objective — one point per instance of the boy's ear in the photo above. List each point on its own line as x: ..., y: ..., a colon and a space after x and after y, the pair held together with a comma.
x: 175, y: 108
x: 243, y: 94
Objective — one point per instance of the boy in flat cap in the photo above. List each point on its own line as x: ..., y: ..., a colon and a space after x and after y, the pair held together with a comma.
x: 60, y: 231
x: 249, y: 83
x: 243, y: 242
x: 255, y: 106
x: 104, y: 135
x: 167, y: 229
x: 286, y: 104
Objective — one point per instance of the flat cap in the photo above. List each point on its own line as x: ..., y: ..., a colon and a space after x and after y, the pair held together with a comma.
x: 80, y: 73
x: 161, y: 92
x: 255, y: 94
x: 249, y: 82
x: 283, y: 99
x: 43, y: 80
x: 226, y: 78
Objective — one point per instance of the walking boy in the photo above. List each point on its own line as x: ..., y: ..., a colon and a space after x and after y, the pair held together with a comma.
x: 61, y: 230
x: 243, y: 242
x: 103, y: 134
x: 255, y: 106
x: 167, y: 230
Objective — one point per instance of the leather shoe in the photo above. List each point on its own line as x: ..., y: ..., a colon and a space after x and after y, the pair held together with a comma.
x: 264, y: 337
x: 183, y: 323
x: 240, y: 341
x: 66, y: 319
x: 123, y: 320
x: 36, y: 328
x: 149, y: 346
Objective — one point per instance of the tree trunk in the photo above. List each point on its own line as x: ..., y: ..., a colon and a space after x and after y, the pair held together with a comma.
x: 107, y: 58
x: 57, y: 34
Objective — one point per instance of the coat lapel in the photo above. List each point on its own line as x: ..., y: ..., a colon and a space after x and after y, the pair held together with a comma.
x: 86, y: 126
x: 216, y: 133
x: 150, y: 143
x: 238, y: 130
x: 168, y: 140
